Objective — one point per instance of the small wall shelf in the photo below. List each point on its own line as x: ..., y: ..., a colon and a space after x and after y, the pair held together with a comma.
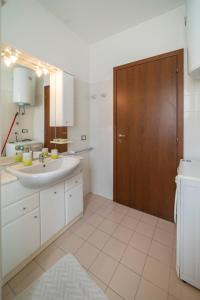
x: 61, y: 142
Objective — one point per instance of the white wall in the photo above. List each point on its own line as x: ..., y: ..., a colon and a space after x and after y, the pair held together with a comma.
x: 30, y: 27
x: 159, y: 35
x: 27, y: 25
x: 191, y: 117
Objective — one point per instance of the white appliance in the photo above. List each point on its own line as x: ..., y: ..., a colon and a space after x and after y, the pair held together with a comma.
x: 23, y: 86
x: 32, y: 145
x: 187, y: 217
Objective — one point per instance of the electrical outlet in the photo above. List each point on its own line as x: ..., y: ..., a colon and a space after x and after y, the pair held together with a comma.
x: 83, y: 137
x: 24, y: 130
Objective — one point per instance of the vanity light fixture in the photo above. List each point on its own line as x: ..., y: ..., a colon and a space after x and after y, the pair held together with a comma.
x: 7, y: 61
x: 9, y: 56
x: 38, y: 72
x: 45, y: 71
x: 13, y: 58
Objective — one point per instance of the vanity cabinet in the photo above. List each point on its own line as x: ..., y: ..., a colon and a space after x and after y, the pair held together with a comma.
x: 29, y: 224
x: 61, y: 99
x: 52, y: 209
x: 20, y: 239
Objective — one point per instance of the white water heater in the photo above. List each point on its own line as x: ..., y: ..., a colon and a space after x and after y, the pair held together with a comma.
x: 23, y: 86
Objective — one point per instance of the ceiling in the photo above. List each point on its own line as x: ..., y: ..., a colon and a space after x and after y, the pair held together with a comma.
x: 94, y: 20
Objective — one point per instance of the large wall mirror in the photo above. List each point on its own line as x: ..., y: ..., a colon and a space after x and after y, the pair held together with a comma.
x: 33, y: 113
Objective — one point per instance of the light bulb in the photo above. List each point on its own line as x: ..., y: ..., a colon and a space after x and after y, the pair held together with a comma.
x: 45, y: 71
x: 38, y: 72
x: 7, y: 61
x: 13, y: 58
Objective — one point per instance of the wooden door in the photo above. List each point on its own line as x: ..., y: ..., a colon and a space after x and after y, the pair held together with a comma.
x: 52, y: 132
x: 148, y: 132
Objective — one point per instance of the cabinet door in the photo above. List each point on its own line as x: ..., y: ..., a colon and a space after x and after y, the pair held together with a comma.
x: 61, y: 99
x: 68, y: 101
x: 74, y: 203
x: 52, y: 209
x: 20, y: 239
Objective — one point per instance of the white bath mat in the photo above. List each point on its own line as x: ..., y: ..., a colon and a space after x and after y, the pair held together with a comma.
x: 66, y: 280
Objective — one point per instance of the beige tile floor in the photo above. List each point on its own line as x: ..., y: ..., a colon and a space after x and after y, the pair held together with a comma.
x: 130, y: 254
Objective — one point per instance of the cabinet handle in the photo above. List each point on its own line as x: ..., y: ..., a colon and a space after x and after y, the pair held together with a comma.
x: 70, y: 195
x: 24, y: 208
x: 55, y: 192
x: 35, y: 217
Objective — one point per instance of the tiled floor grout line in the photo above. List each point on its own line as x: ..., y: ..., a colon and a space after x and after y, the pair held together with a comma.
x: 115, y: 293
x: 142, y: 277
x: 41, y: 267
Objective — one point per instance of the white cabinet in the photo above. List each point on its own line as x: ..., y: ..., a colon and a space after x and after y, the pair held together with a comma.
x: 189, y: 214
x: 73, y: 198
x: 193, y: 37
x: 61, y: 99
x: 74, y: 203
x: 19, y: 240
x: 52, y: 209
x: 35, y: 218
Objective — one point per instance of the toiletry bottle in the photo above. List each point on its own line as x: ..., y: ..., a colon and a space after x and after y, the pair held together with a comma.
x: 18, y: 154
x: 54, y: 153
x: 45, y: 151
x: 27, y: 158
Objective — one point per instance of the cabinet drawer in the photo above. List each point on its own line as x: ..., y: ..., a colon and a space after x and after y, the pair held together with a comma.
x: 20, y: 208
x: 74, y: 181
x: 14, y: 191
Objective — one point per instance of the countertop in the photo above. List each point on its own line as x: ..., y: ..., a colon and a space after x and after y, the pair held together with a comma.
x: 7, y: 177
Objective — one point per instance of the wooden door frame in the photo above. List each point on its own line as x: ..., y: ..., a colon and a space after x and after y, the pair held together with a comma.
x: 180, y: 86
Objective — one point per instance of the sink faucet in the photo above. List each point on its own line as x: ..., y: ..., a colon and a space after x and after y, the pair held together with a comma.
x: 41, y: 157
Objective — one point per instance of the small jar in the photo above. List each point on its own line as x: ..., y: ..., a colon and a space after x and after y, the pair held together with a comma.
x: 27, y: 158
x: 54, y: 153
x: 45, y: 151
x: 18, y: 156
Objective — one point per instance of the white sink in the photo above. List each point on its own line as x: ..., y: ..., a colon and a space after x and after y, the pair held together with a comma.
x: 40, y: 174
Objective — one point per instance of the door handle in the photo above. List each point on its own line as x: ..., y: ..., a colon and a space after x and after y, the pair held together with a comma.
x: 121, y: 136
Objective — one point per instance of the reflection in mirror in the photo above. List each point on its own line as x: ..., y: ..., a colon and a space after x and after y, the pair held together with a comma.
x: 32, y: 115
